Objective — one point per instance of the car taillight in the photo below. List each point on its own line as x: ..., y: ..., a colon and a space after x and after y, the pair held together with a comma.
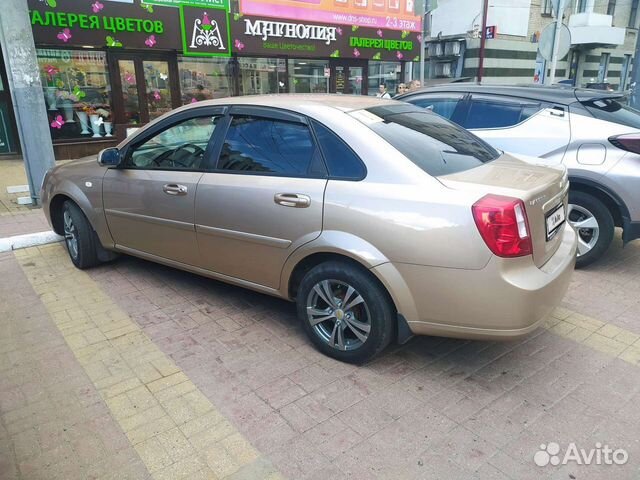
x: 502, y: 222
x: 629, y: 142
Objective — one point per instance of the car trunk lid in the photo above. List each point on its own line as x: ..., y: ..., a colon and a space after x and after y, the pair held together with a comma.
x: 543, y: 190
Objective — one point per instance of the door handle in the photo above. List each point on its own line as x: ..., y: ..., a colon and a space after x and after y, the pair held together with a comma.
x: 174, y: 189
x: 295, y: 200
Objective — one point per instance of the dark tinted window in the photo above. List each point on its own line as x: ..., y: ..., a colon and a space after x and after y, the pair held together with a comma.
x: 255, y: 144
x: 496, y: 114
x: 613, y: 111
x: 341, y: 160
x: 436, y: 145
x: 442, y: 106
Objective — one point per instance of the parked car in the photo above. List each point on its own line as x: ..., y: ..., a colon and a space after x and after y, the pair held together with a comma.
x: 592, y: 132
x: 379, y: 219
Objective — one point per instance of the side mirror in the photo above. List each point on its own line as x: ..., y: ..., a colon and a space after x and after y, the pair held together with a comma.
x: 109, y: 157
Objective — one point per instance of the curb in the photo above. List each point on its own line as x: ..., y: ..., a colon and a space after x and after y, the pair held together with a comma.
x: 28, y: 240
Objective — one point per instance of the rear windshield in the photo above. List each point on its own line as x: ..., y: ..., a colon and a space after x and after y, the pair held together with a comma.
x: 613, y: 111
x: 433, y: 143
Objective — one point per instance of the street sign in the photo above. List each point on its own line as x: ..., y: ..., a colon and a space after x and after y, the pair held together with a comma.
x: 490, y: 32
x: 545, y: 45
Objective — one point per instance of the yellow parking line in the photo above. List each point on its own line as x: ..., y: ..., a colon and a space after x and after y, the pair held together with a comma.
x: 603, y: 337
x: 176, y: 430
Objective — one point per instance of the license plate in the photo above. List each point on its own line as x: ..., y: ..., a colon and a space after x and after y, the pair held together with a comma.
x: 555, y: 218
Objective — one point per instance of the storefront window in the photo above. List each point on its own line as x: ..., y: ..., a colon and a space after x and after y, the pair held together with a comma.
x: 387, y: 73
x: 261, y: 75
x: 158, y: 82
x: 129, y: 91
x: 309, y: 76
x: 204, y: 78
x: 77, y: 93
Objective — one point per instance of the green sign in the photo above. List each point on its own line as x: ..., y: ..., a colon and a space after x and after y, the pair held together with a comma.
x: 5, y: 130
x: 196, y: 3
x: 380, y: 43
x: 205, y: 31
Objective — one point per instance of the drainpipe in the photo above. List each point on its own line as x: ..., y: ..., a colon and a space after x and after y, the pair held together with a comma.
x: 483, y: 35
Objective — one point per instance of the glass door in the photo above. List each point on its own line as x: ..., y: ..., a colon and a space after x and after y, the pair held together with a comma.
x: 348, y: 77
x: 147, y: 87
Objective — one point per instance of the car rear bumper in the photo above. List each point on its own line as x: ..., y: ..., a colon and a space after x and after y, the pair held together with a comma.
x: 508, y: 298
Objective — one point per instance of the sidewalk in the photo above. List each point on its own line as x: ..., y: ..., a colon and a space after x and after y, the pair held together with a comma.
x: 17, y: 219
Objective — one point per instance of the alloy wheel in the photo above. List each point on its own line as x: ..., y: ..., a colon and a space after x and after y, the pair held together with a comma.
x: 586, y: 226
x: 338, y: 314
x: 70, y: 234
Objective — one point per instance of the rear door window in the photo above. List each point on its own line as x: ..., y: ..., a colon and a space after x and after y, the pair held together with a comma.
x: 256, y: 144
x: 444, y: 106
x: 497, y: 113
x: 436, y: 145
x: 612, y: 110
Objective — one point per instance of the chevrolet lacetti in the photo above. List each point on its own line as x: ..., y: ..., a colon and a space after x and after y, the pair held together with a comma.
x: 379, y: 219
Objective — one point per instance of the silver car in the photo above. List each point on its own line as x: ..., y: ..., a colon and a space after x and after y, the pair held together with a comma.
x: 591, y: 132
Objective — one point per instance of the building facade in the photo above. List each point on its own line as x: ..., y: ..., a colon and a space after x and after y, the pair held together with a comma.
x: 603, y: 36
x: 111, y: 65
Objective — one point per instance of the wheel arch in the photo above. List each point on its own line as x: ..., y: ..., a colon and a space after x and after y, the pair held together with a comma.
x: 610, y: 199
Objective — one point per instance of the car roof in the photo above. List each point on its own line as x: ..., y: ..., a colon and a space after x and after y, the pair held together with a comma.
x: 300, y: 102
x: 552, y: 94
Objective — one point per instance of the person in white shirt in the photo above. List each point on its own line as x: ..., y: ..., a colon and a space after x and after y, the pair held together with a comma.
x: 382, y: 92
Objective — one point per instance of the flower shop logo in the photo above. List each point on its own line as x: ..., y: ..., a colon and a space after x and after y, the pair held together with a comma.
x: 601, y: 455
x: 206, y: 32
x: 267, y: 29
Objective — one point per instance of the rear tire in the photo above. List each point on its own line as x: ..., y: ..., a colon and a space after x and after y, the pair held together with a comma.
x: 594, y: 225
x: 345, y: 312
x: 79, y: 237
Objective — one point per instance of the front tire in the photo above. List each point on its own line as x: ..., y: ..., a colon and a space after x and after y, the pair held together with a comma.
x: 79, y: 237
x: 594, y: 225
x: 345, y: 312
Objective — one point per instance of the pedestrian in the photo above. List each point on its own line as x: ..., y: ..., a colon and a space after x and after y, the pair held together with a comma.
x: 402, y: 88
x: 415, y: 85
x: 382, y: 91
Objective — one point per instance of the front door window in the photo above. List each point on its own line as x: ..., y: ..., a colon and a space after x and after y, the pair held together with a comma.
x: 130, y: 100
x: 347, y: 78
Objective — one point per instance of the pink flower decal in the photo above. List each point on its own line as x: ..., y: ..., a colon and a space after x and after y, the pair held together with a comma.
x: 96, y: 7
x: 129, y: 78
x: 399, y: 55
x: 238, y: 44
x: 51, y: 70
x: 150, y: 41
x: 356, y: 52
x: 379, y: 32
x: 58, y: 122
x: 156, y: 96
x: 419, y: 37
x: 339, y: 30
x: 193, y: 100
x: 65, y: 35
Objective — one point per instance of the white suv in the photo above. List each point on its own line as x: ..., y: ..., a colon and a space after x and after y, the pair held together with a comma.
x: 592, y: 132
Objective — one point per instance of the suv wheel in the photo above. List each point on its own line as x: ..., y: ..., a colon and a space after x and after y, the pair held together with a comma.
x: 594, y: 225
x: 345, y: 312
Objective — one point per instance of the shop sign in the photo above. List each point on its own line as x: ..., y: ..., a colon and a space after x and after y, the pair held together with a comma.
x: 98, y: 24
x: 205, y: 31
x: 258, y: 35
x: 198, y: 3
x: 390, y: 14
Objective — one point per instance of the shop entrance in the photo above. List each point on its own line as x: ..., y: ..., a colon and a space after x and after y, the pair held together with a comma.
x: 9, y: 143
x: 348, y: 77
x: 144, y: 87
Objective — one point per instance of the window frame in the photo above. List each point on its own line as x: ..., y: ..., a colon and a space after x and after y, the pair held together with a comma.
x: 157, y: 128
x: 500, y: 99
x: 270, y: 113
